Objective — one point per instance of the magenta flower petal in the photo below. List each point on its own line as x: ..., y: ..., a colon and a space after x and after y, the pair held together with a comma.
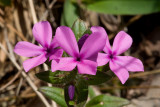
x: 107, y: 48
x: 33, y: 62
x: 28, y: 49
x: 64, y: 64
x: 55, y: 54
x: 119, y: 71
x: 42, y: 32
x: 71, y: 91
x: 122, y: 42
x: 66, y: 39
x: 102, y: 59
x: 53, y: 44
x: 94, y: 44
x: 130, y: 63
x: 87, y: 67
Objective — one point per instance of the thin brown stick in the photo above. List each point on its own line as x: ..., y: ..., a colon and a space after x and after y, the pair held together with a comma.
x: 11, y: 81
x: 141, y: 74
x: 14, y: 97
x: 146, y: 73
x: 8, y: 43
x: 17, y: 32
x: 133, y: 19
x: 129, y: 87
x: 13, y: 29
x: 44, y: 16
x: 35, y: 20
x: 19, y: 86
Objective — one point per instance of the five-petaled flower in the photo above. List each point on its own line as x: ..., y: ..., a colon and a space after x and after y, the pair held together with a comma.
x: 120, y: 65
x: 42, y: 32
x: 85, y: 58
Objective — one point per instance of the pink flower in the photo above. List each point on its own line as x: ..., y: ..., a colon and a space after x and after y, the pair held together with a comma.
x: 120, y: 65
x: 85, y: 58
x: 42, y: 32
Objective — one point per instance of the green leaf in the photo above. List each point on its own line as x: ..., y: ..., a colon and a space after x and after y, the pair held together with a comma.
x: 91, y: 93
x: 58, y: 77
x: 55, y: 94
x: 99, y: 78
x: 70, y: 13
x: 63, y: 22
x: 107, y: 101
x: 124, y: 7
x: 51, y: 77
x: 79, y: 28
x: 5, y: 2
x: 81, y: 92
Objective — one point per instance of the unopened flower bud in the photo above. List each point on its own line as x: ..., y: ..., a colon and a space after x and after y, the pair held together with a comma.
x: 71, y: 90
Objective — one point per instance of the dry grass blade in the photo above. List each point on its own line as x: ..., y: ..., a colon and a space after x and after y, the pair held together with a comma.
x: 33, y: 11
x: 11, y: 81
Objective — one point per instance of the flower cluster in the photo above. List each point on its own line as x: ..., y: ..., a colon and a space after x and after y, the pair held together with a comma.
x: 91, y: 51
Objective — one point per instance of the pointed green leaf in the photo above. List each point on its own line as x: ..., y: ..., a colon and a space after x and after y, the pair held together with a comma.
x: 70, y: 13
x: 58, y: 77
x: 51, y: 77
x: 123, y: 7
x: 55, y: 94
x: 81, y: 91
x: 63, y: 22
x: 79, y: 28
x: 107, y: 101
x: 99, y: 78
x: 91, y: 92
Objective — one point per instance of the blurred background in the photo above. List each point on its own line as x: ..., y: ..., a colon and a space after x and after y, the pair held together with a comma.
x: 139, y: 18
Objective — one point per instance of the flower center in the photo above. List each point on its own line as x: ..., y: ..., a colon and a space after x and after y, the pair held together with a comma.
x: 48, y: 50
x: 78, y: 59
x: 111, y: 56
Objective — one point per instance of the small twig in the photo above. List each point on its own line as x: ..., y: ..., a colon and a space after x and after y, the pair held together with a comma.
x: 35, y: 20
x: 11, y: 81
x: 129, y: 87
x: 8, y: 43
x: 141, y: 74
x: 33, y: 11
x: 146, y: 73
x: 44, y: 16
x: 19, y: 86
x: 11, y: 87
x: 14, y: 97
x: 13, y: 29
x: 47, y: 11
x: 1, y: 12
x: 133, y: 19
